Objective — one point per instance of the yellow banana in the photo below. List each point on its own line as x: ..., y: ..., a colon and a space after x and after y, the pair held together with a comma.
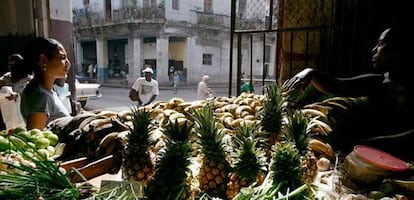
x: 107, y: 139
x: 313, y: 113
x: 317, y: 106
x: 176, y: 115
x: 111, y: 147
x: 333, y: 104
x: 319, y: 126
x: 108, y: 113
x: 168, y: 112
x: 241, y: 109
x: 321, y: 148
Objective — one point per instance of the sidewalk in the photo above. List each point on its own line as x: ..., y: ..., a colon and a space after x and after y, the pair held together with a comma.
x: 121, y: 84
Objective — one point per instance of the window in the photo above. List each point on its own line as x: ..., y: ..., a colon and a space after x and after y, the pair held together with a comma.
x: 208, y: 6
x: 207, y: 58
x: 176, y: 4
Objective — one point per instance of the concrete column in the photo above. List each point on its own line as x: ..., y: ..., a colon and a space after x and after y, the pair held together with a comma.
x: 79, y: 57
x: 224, y: 61
x: 191, y: 61
x: 134, y: 58
x: 162, y: 60
x: 102, y: 59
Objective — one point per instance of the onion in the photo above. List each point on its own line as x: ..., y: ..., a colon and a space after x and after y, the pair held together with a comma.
x: 323, y: 164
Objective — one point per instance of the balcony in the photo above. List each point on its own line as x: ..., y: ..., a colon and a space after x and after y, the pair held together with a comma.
x: 152, y: 14
x: 212, y: 20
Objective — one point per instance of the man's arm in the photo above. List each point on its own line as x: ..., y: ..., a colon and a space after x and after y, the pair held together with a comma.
x: 151, y: 100
x: 353, y: 86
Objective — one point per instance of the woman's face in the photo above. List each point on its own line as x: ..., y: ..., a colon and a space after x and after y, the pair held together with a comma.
x: 381, y: 55
x: 58, y: 66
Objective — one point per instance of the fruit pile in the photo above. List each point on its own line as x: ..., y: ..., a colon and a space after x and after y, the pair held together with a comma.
x: 249, y: 146
x: 43, y: 142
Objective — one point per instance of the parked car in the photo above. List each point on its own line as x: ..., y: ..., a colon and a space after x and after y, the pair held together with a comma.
x: 86, y: 91
x: 85, y: 79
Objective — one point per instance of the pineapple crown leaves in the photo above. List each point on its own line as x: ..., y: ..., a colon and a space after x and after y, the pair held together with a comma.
x: 297, y: 130
x: 141, y: 130
x: 210, y: 137
x: 178, y: 133
x: 272, y: 111
x: 286, y: 166
x: 249, y: 159
x: 175, y: 159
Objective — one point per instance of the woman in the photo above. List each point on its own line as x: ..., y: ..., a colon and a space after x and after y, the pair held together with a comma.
x: 48, y: 61
x: 203, y: 91
x: 388, y: 122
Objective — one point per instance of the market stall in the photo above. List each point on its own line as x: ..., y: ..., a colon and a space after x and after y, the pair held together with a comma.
x: 243, y: 147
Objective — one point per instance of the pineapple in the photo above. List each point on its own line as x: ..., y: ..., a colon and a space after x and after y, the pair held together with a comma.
x: 137, y: 163
x: 298, y: 133
x: 172, y: 167
x: 213, y: 174
x: 286, y: 168
x: 272, y: 116
x: 248, y: 166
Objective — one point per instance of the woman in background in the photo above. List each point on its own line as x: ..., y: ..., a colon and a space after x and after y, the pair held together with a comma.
x: 203, y: 91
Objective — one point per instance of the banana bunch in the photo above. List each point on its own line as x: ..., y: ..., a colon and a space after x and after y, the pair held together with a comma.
x: 85, y: 133
x: 324, y: 114
x: 322, y: 149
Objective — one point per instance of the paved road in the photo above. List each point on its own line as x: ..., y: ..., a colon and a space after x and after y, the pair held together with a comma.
x: 116, y: 98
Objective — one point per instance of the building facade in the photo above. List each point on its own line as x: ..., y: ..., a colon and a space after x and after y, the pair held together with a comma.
x: 24, y: 19
x: 123, y: 37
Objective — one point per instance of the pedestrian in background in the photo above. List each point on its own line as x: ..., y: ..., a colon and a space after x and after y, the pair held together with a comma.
x: 62, y: 90
x: 176, y: 81
x: 145, y: 89
x: 203, y: 91
x: 247, y: 87
x: 171, y: 71
x: 90, y: 70
x: 12, y: 84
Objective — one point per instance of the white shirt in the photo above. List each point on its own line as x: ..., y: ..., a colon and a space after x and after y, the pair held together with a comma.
x: 63, y: 93
x: 146, y: 89
x: 203, y: 91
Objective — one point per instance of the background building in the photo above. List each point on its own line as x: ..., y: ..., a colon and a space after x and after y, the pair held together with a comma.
x: 24, y: 19
x: 121, y: 37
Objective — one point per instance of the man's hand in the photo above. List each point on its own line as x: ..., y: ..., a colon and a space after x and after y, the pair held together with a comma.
x: 13, y: 96
x: 299, y: 81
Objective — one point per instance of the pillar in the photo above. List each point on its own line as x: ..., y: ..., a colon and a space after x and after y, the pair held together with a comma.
x: 134, y: 58
x: 102, y: 59
x: 162, y: 60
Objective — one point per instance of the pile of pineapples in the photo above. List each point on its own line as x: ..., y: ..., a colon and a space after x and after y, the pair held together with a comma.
x: 247, y: 147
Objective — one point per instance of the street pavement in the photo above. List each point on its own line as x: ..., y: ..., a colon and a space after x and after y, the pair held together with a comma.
x: 115, y: 97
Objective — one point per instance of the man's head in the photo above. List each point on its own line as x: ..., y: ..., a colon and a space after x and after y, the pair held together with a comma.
x: 205, y: 78
x: 13, y: 60
x: 148, y: 73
